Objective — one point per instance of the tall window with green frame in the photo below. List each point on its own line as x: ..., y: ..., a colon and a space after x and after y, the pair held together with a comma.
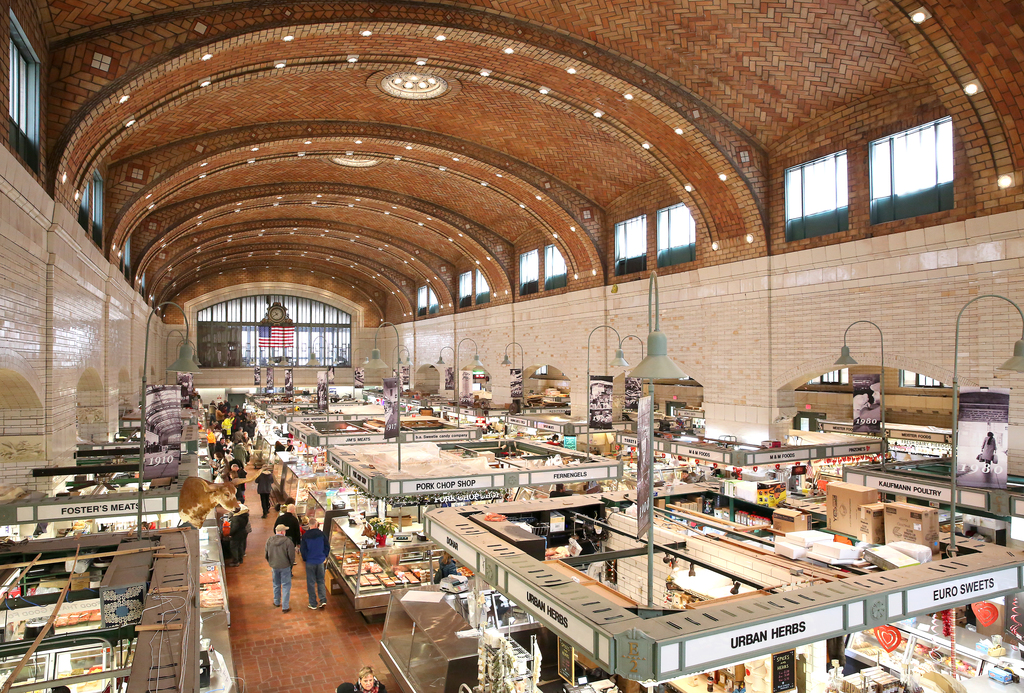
x: 677, y: 235
x: 817, y: 198
x: 126, y: 259
x: 529, y: 272
x: 483, y: 289
x: 912, y: 172
x: 97, y: 208
x: 554, y: 268
x: 23, y: 97
x: 631, y: 245
x: 465, y: 289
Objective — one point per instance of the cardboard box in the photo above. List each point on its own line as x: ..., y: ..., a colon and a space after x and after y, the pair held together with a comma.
x: 788, y: 520
x: 912, y: 523
x: 888, y: 558
x: 872, y: 523
x: 804, y: 539
x: 79, y: 581
x: 843, y: 505
x: 789, y: 550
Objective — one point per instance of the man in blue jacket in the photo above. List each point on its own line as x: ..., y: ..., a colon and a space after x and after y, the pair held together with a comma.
x: 314, y: 552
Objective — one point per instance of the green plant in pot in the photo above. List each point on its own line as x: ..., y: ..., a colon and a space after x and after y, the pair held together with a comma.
x: 382, y: 529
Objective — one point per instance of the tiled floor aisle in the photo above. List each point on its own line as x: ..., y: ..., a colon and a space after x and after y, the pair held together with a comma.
x: 302, y: 651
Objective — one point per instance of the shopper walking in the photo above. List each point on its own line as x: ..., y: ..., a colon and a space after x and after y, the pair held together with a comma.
x: 240, y: 453
x: 289, y: 520
x: 264, y: 485
x: 280, y: 554
x: 239, y: 532
x: 314, y: 553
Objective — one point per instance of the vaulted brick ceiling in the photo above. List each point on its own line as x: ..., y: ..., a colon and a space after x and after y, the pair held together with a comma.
x: 226, y: 151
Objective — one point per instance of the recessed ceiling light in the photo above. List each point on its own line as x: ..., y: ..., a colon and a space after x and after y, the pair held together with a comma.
x: 485, y: 73
x: 308, y: 142
x: 279, y: 64
x: 593, y: 272
x: 555, y: 235
x: 367, y: 32
x: 1005, y: 181
x: 204, y: 163
x: 202, y: 175
x: 421, y: 61
x: 353, y: 58
x: 398, y: 158
x: 543, y: 90
x: 419, y: 223
x: 920, y: 15
x: 301, y: 154
x: 149, y: 196
x: 64, y: 177
x: 627, y: 97
x: 537, y: 196
x: 483, y: 183
x: 509, y: 51
x: 522, y: 205
x: 359, y: 141
x: 972, y: 88
x: 408, y: 146
x: 598, y: 114
x: 254, y: 149
x: 688, y: 188
x: 205, y: 83
x: 442, y: 168
x: 440, y: 37
x: 575, y: 276
x: 571, y: 70
x: 124, y: 98
x: 714, y: 245
x: 646, y: 145
x: 750, y: 238
x: 207, y: 56
x: 128, y: 123
x: 722, y: 176
x: 289, y: 37
x: 679, y: 131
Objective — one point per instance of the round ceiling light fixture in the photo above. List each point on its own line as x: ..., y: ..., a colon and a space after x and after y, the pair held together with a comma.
x: 415, y: 86
x: 355, y: 162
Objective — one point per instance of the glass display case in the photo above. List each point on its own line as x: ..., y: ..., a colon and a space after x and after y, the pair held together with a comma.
x: 368, y: 573
x: 213, y: 594
x: 928, y: 651
x: 65, y: 662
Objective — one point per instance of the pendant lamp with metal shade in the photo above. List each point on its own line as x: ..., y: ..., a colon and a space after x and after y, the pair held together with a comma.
x: 618, y: 362
x: 846, y: 360
x: 656, y: 365
x: 472, y: 365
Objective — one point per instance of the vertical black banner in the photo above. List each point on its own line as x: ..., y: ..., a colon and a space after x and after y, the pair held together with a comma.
x: 643, y: 467
x: 289, y: 384
x: 358, y: 378
x: 515, y: 381
x: 256, y: 376
x: 391, y: 413
x: 601, y: 402
x: 270, y: 379
x: 634, y: 391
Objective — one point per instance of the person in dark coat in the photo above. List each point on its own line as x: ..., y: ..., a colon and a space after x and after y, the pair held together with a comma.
x: 264, y: 485
x: 239, y: 534
x: 446, y: 568
x: 289, y: 520
x: 314, y: 551
x: 238, y: 472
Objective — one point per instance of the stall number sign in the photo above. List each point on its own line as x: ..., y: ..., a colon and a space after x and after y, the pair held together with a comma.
x: 961, y: 591
x: 733, y: 645
x: 909, y: 488
x: 445, y: 485
x: 569, y: 475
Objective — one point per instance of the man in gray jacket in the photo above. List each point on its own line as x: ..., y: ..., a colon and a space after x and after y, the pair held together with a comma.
x: 281, y: 556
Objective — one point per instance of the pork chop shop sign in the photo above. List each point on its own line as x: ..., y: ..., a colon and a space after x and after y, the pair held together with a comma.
x: 767, y: 637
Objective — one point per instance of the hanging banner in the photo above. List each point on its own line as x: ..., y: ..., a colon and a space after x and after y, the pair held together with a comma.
x: 390, y: 404
x: 867, y: 402
x: 185, y: 383
x: 643, y: 468
x: 256, y: 376
x: 449, y: 378
x: 163, y: 431
x: 321, y: 391
x: 466, y: 388
x: 270, y: 379
x: 289, y: 385
x: 601, y: 402
x: 634, y: 391
x: 982, y: 443
x: 330, y: 375
x: 406, y: 373
x: 358, y: 378
x: 515, y: 382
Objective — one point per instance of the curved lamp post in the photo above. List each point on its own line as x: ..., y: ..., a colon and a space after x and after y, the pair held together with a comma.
x: 375, y: 363
x: 656, y: 364
x: 475, y: 363
x: 1014, y: 363
x: 522, y: 360
x: 846, y: 360
x: 397, y: 352
x: 184, y: 364
x: 633, y: 336
x: 618, y: 362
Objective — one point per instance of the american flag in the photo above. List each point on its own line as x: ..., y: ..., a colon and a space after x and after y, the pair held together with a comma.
x: 276, y: 337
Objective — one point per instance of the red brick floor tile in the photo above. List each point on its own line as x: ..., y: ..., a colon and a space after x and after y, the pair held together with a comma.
x: 302, y: 651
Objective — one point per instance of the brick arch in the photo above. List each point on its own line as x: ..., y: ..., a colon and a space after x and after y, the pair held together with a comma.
x: 178, y: 162
x: 304, y: 265
x: 20, y: 387
x: 736, y: 203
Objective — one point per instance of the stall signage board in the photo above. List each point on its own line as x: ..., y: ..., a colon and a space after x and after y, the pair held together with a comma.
x: 446, y: 485
x: 459, y: 548
x: 79, y: 511
x: 919, y: 435
x: 736, y: 644
x: 554, y: 615
x: 379, y: 438
x: 778, y: 455
x: 908, y: 487
x: 571, y: 475
x: 783, y: 671
x: 359, y: 478
x: 566, y: 662
x: 976, y: 588
x: 697, y: 453
x: 628, y: 440
x: 539, y: 425
x: 858, y: 449
x: 444, y: 435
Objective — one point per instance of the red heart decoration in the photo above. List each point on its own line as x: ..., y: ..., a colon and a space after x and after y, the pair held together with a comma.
x: 778, y: 466
x: 755, y: 469
x: 888, y: 637
x: 986, y: 612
